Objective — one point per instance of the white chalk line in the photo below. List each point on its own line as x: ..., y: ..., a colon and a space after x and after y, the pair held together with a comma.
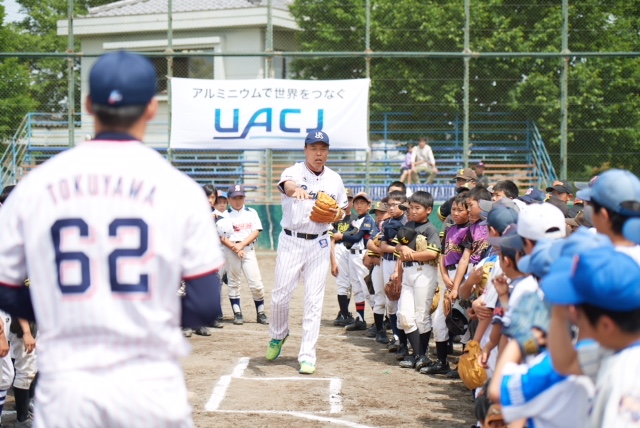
x: 220, y: 390
x: 313, y: 417
x: 335, y: 396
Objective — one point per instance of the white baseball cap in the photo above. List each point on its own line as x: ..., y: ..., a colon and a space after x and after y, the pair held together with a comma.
x: 541, y: 221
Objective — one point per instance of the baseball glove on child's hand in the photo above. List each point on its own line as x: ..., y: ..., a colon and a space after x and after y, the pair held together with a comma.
x: 436, y: 299
x: 322, y: 211
x: 469, y: 369
x: 392, y: 289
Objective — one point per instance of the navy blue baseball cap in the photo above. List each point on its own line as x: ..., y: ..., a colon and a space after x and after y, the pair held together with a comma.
x: 316, y: 137
x: 617, y: 190
x: 509, y: 240
x: 502, y: 216
x: 602, y: 277
x: 236, y: 190
x: 120, y: 79
x: 533, y: 196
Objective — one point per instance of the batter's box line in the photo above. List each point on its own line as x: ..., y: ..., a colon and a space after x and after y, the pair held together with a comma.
x: 303, y: 415
x: 220, y: 390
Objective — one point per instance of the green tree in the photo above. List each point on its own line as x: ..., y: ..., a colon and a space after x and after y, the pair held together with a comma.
x: 603, y: 92
x: 35, y: 84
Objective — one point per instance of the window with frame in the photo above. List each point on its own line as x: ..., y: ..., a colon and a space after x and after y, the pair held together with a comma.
x: 193, y: 67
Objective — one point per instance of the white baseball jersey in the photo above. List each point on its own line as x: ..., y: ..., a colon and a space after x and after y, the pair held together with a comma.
x: 243, y: 222
x: 295, y: 213
x: 617, y: 400
x: 106, y: 231
x: 298, y: 257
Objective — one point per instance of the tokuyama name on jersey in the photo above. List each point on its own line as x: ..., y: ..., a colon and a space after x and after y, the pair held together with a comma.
x: 81, y: 186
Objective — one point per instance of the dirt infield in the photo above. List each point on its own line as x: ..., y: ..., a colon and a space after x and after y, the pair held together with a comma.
x: 357, y: 382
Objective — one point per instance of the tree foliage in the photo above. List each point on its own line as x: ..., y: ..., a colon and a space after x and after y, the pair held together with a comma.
x: 35, y: 84
x: 604, y: 107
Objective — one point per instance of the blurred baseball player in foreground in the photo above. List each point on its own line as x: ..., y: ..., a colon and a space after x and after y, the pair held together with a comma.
x: 304, y: 248
x: 105, y: 231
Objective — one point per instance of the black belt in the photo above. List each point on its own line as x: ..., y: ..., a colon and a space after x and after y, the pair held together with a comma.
x: 389, y: 256
x: 409, y: 264
x: 307, y: 236
x: 357, y: 251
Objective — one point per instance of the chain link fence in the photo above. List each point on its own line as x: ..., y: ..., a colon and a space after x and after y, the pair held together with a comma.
x: 483, y: 81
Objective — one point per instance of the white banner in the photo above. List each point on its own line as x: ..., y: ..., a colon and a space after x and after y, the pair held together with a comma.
x: 267, y: 114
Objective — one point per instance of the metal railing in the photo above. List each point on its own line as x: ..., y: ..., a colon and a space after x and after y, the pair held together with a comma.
x: 499, y: 140
x: 545, y: 171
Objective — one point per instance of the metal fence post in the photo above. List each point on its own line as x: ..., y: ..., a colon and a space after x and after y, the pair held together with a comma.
x: 564, y: 91
x: 269, y: 165
x: 169, y: 70
x: 467, y: 50
x: 71, y: 93
x: 367, y: 48
x: 268, y: 42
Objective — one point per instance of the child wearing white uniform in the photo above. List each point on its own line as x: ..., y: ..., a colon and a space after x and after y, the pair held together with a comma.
x: 239, y: 231
x: 7, y: 368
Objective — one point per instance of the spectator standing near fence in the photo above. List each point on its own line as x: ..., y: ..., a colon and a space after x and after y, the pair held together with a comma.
x: 483, y: 180
x: 422, y: 160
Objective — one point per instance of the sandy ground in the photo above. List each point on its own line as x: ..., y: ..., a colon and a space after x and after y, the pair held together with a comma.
x: 357, y: 381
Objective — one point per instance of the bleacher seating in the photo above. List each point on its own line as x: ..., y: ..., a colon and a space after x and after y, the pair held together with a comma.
x: 501, y: 141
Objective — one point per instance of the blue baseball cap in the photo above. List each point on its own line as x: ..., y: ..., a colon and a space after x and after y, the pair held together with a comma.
x: 533, y: 196
x: 316, y: 137
x: 120, y: 79
x: 602, y: 277
x: 547, y: 251
x: 631, y: 230
x: 236, y: 190
x: 617, y: 190
x: 502, y: 216
x: 509, y: 239
x: 487, y: 206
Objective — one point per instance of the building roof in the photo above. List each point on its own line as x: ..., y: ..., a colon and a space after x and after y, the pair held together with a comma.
x: 150, y: 7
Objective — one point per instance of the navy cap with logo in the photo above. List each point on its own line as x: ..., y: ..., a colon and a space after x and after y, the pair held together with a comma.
x: 236, y: 190
x: 121, y: 79
x: 316, y: 137
x: 533, y: 196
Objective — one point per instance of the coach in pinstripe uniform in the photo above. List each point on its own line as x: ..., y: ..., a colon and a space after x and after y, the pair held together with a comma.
x: 304, y: 248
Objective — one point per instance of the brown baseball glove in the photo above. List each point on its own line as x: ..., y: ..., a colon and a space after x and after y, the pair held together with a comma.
x: 447, y: 303
x: 436, y: 300
x: 321, y: 212
x: 486, y: 274
x: 471, y: 373
x: 392, y: 289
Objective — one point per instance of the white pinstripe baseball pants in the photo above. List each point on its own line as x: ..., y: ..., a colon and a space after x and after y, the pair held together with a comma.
x: 309, y: 259
x: 388, y: 267
x: 379, y: 298
x: 142, y: 394
x: 342, y: 280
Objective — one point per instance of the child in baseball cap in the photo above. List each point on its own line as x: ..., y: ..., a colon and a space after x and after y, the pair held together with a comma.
x: 603, y: 286
x: 612, y: 198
